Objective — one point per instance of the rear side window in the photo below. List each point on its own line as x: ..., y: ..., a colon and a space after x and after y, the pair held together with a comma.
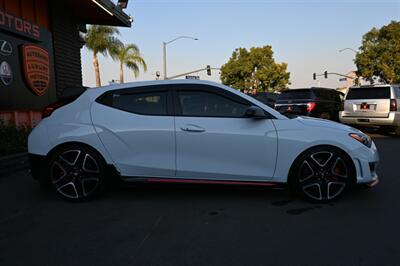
x: 368, y: 93
x: 295, y: 95
x: 265, y: 97
x: 322, y: 95
x: 397, y: 92
x: 207, y: 104
x: 145, y: 103
x: 326, y: 94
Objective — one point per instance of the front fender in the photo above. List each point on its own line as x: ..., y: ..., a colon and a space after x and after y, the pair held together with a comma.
x: 294, y: 138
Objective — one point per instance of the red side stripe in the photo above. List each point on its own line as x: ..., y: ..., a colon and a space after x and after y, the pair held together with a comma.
x: 192, y: 181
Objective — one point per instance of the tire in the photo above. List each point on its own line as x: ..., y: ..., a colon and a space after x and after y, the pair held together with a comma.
x: 397, y: 131
x: 77, y: 173
x: 386, y: 129
x: 322, y: 174
x: 325, y: 115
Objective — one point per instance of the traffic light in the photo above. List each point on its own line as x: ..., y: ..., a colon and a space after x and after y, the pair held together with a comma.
x: 209, y: 70
x: 326, y: 74
x: 314, y: 76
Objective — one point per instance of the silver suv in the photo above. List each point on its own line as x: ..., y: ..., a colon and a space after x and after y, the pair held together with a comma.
x: 373, y: 105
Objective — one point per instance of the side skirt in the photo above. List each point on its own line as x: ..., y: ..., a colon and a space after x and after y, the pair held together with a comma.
x: 202, y: 182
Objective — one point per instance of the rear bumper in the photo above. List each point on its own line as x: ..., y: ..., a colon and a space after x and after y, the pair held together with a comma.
x: 392, y: 120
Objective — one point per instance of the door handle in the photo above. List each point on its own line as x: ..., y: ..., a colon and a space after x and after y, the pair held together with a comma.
x: 192, y: 128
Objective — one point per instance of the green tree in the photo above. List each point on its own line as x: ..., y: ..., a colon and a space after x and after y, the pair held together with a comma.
x: 100, y: 39
x: 379, y: 54
x: 129, y: 56
x: 255, y: 69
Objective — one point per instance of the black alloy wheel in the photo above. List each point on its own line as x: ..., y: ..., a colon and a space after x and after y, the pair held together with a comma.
x: 322, y: 174
x: 77, y: 173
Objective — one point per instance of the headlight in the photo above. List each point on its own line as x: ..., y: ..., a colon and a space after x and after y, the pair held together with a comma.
x: 364, y: 139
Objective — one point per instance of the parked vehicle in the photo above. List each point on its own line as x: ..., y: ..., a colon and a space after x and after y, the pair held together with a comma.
x: 268, y: 98
x: 316, y: 102
x: 185, y: 131
x: 373, y: 105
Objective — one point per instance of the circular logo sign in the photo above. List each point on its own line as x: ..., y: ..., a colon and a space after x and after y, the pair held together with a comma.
x: 5, y: 48
x: 6, y: 73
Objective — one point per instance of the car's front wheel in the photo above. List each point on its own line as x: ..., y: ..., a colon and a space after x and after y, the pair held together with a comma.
x: 76, y: 172
x: 325, y: 115
x: 322, y: 174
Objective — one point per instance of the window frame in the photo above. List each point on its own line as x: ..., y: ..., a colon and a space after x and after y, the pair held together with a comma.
x: 208, y: 89
x: 173, y: 103
x: 352, y: 89
x: 105, y: 98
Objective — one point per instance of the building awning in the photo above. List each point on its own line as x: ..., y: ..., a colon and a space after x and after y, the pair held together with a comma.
x: 99, y: 12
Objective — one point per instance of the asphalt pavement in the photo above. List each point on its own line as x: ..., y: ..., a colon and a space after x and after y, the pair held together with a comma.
x: 203, y: 225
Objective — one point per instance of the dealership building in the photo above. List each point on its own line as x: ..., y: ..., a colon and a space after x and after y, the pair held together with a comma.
x: 40, y: 47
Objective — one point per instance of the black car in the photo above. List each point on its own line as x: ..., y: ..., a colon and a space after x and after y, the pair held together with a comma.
x: 268, y: 98
x: 316, y: 102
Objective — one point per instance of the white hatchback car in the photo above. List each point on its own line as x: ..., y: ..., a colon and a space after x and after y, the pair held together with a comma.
x: 182, y: 131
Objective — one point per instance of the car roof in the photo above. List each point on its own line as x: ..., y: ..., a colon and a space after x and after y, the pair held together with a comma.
x: 116, y: 86
x: 93, y: 93
x: 374, y: 86
x: 308, y: 89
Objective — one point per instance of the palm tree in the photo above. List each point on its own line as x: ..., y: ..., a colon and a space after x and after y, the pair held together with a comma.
x: 129, y: 56
x: 100, y: 39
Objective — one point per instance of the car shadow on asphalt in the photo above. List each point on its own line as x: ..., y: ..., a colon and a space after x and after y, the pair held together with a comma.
x: 226, y: 195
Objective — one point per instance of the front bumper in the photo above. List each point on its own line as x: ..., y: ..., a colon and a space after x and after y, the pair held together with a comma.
x: 366, y: 163
x: 373, y: 183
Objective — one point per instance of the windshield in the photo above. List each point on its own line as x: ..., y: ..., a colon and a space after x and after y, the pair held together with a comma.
x: 368, y: 93
x: 294, y: 95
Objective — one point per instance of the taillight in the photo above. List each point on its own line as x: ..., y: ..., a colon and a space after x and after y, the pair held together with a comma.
x: 310, y: 106
x: 393, y: 105
x: 48, y: 110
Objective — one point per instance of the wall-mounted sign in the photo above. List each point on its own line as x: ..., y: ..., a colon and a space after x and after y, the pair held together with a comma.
x: 36, y: 67
x: 18, y: 25
x: 5, y: 48
x: 6, y: 73
x: 29, y: 72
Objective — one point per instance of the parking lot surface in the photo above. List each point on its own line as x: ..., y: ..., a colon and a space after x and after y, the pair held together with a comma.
x: 192, y: 225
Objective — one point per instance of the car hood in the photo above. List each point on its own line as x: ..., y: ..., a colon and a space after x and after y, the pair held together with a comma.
x: 316, y: 122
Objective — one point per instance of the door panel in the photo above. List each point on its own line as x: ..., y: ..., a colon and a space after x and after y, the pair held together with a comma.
x: 225, y: 148
x: 140, y: 145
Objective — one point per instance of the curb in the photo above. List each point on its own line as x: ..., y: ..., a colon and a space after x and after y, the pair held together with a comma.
x: 12, y: 163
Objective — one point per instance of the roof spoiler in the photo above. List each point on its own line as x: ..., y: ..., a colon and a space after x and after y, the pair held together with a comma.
x: 72, y: 92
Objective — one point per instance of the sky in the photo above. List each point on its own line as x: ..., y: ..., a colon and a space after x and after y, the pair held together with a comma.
x: 306, y: 34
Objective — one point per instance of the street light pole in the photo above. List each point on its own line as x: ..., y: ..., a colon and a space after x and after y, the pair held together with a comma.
x: 165, y: 52
x: 165, y: 60
x: 356, y: 80
x: 351, y: 49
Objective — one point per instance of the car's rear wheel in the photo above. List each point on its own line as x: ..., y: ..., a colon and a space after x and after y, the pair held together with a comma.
x: 322, y: 174
x: 397, y: 131
x: 77, y: 172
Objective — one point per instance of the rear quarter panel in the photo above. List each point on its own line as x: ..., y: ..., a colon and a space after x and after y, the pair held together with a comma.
x: 70, y: 123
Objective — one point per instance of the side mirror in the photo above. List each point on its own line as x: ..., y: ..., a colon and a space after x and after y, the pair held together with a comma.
x: 255, y: 112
